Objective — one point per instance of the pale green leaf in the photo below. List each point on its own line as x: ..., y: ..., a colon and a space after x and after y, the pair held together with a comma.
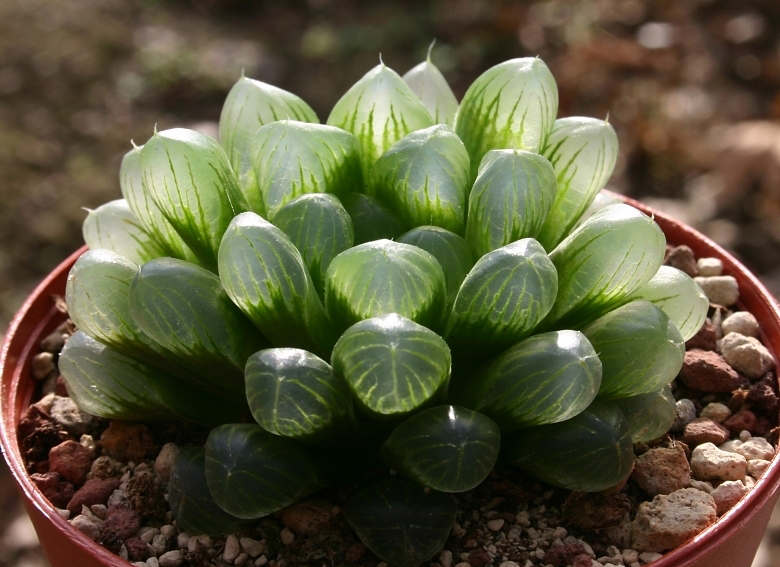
x: 427, y: 82
x: 113, y: 226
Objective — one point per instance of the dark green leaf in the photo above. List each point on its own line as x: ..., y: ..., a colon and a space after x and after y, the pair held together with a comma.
x: 252, y: 473
x: 587, y: 453
x: 424, y: 177
x: 293, y: 393
x: 371, y: 219
x: 546, y: 378
x: 510, y: 199
x: 503, y: 298
x: 649, y: 415
x: 512, y: 105
x: 393, y: 365
x: 449, y: 249
x: 447, y: 448
x: 113, y: 226
x: 109, y: 384
x: 265, y: 275
x: 146, y: 210
x: 185, y: 309
x: 291, y: 159
x: 189, y: 178
x: 640, y: 349
x: 601, y: 263
x: 190, y: 499
x: 251, y: 104
x: 400, y: 522
x: 379, y: 110
x: 381, y: 277
x: 583, y: 152
x: 320, y: 228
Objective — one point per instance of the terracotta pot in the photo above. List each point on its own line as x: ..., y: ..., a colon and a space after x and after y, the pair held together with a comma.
x: 731, y: 542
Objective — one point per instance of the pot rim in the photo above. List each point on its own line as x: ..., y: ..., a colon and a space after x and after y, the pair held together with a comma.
x: 754, y: 297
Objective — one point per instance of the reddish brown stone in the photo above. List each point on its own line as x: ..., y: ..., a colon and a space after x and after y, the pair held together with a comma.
x: 124, y: 522
x: 743, y: 420
x: 94, y: 491
x: 72, y: 460
x: 56, y: 490
x: 137, y: 549
x: 662, y: 471
x: 763, y: 427
x: 593, y: 511
x: 307, y: 517
x: 126, y: 441
x: 704, y: 430
x: 682, y: 258
x: 707, y: 371
x: 354, y: 552
x: 59, y: 387
x: 146, y: 493
x: 705, y: 339
x: 562, y: 555
x: 762, y: 393
x: 582, y: 560
x: 479, y: 558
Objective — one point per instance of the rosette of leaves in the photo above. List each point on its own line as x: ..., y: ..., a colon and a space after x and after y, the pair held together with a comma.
x: 413, y: 286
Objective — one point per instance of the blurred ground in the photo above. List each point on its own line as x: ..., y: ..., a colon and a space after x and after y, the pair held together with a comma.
x: 691, y: 87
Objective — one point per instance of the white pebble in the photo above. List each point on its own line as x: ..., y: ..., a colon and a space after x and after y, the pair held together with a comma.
x: 710, y: 463
x: 85, y: 526
x: 508, y: 564
x: 630, y: 556
x: 445, y: 558
x: 756, y: 467
x: 153, y: 562
x: 241, y: 559
x: 702, y: 485
x: 709, y: 267
x: 199, y: 541
x: 147, y: 534
x: 171, y: 558
x: 746, y: 355
x: 522, y: 519
x: 741, y: 322
x: 164, y: 461
x: 168, y: 531
x: 716, y: 412
x: 721, y: 290
x: 495, y: 525
x: 287, y: 536
x: 182, y: 540
x: 232, y: 549
x: 252, y: 546
x: 159, y: 544
x: 649, y: 556
x: 756, y: 448
x: 745, y: 436
x: 463, y: 564
x: 64, y: 513
x: 727, y: 494
x: 262, y: 560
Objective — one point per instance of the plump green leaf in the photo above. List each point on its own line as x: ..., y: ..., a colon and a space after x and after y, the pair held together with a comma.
x: 371, y: 219
x: 679, y: 296
x: 191, y: 502
x: 649, y: 415
x: 106, y: 383
x: 447, y: 448
x: 450, y: 250
x: 392, y: 365
x: 320, y: 228
x: 401, y: 522
x: 510, y: 199
x: 113, y: 226
x: 185, y: 309
x: 546, y: 378
x: 511, y: 105
x: 252, y: 473
x: 427, y: 82
x: 379, y: 110
x: 424, y: 177
x: 146, y: 210
x: 583, y: 152
x: 294, y: 393
x: 502, y: 299
x: 587, y: 453
x: 602, y: 263
x: 640, y: 349
x: 188, y: 176
x: 381, y: 277
x: 292, y: 158
x: 97, y: 295
x: 251, y: 104
x: 603, y: 199
x: 266, y: 276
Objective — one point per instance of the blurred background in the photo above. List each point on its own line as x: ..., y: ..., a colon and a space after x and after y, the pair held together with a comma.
x: 691, y: 87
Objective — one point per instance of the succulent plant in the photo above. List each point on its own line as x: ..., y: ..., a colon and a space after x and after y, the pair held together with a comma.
x: 414, y: 286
